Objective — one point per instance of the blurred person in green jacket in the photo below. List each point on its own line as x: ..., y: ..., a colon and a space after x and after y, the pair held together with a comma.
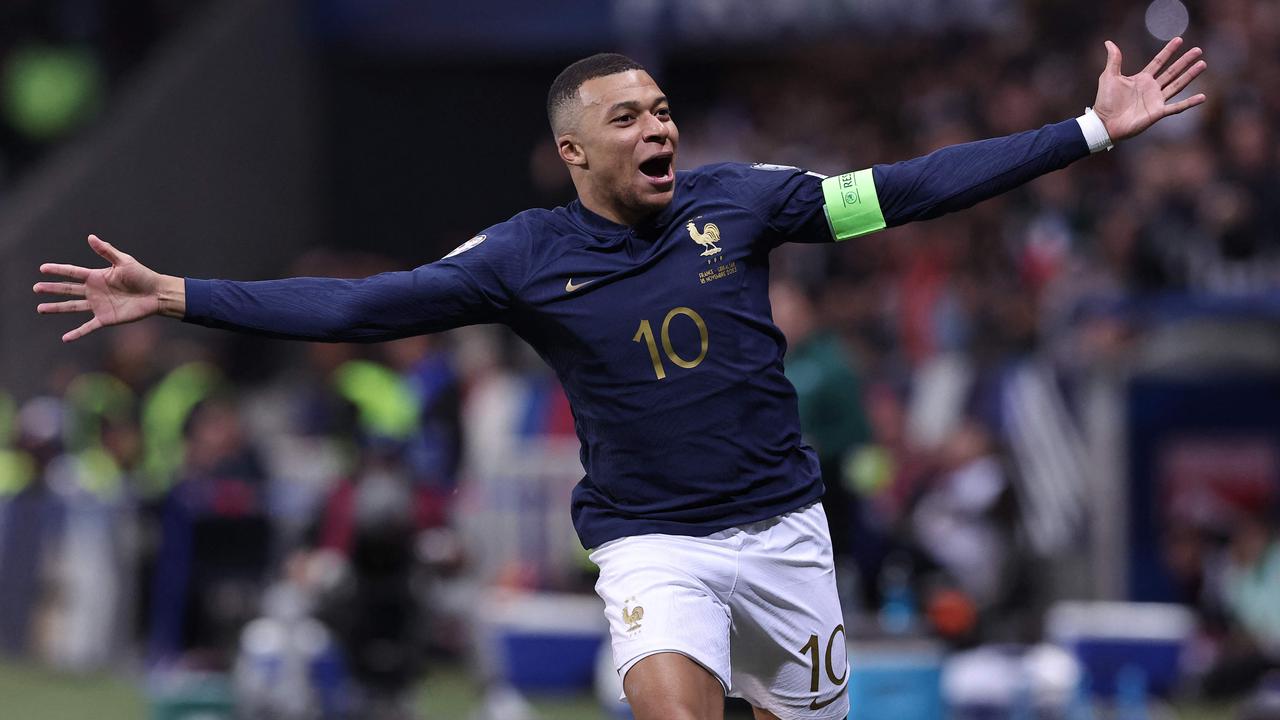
x: 833, y: 420
x: 1248, y: 589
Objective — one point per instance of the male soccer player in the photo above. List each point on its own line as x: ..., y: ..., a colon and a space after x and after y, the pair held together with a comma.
x: 648, y: 295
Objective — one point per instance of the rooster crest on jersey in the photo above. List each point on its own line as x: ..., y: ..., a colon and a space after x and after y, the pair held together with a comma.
x: 707, y: 238
x: 632, y: 617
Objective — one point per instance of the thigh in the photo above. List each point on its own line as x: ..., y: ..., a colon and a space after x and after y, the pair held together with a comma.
x: 788, y: 636
x: 671, y: 686
x: 664, y: 594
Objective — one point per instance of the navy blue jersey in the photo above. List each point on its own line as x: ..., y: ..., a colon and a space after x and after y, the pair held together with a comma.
x: 661, y: 333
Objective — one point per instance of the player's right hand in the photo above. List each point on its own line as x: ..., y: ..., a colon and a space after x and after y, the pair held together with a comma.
x: 122, y: 293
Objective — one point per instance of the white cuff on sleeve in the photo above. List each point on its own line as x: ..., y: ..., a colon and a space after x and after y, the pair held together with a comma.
x: 1095, y: 133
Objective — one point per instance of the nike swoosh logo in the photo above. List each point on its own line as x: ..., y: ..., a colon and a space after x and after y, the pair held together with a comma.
x: 815, y: 705
x: 570, y: 287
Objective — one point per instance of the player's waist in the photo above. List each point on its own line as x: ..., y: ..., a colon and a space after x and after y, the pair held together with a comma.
x: 599, y: 516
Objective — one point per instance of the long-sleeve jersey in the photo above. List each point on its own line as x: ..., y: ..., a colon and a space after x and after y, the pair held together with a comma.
x: 661, y: 333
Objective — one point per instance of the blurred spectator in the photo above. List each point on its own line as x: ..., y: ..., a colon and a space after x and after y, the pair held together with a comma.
x: 434, y: 449
x: 91, y: 558
x: 377, y: 609
x: 1249, y: 587
x: 215, y: 545
x: 28, y: 522
x: 829, y: 392
x: 1251, y: 582
x: 966, y: 524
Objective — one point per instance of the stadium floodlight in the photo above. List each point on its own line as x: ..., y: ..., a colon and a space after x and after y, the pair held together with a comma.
x: 1166, y: 19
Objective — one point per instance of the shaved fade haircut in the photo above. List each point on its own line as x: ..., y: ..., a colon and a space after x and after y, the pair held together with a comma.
x: 564, y: 91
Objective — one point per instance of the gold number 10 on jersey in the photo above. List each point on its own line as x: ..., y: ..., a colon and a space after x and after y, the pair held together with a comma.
x: 645, y: 332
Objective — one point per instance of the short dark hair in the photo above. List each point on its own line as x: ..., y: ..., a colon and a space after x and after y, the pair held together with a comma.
x: 565, y: 87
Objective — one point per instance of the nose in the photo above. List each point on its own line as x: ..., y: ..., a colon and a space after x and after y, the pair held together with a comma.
x: 655, y: 129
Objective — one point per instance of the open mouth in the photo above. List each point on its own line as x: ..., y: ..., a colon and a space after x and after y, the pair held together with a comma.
x: 658, y: 169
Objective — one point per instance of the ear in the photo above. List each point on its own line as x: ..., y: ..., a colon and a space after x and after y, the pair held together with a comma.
x: 571, y: 151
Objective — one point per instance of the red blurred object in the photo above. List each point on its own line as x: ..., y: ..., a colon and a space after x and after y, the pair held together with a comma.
x: 951, y: 613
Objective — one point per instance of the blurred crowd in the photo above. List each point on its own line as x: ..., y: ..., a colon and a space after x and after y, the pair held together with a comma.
x: 941, y: 365
x: 969, y: 338
x: 151, y: 496
x: 155, y: 503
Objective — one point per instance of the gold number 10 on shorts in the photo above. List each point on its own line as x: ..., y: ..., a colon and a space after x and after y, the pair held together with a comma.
x: 812, y: 647
x: 645, y: 332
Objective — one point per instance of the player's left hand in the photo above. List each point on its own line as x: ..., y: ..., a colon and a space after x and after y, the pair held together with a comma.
x: 1129, y: 104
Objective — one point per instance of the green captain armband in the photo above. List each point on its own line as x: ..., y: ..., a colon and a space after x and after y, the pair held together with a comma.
x: 852, y: 206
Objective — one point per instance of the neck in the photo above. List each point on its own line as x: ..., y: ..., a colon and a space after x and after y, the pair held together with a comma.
x: 615, y: 213
x: 610, y: 209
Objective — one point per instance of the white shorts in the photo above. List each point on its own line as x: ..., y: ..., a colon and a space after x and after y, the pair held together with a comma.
x: 755, y: 605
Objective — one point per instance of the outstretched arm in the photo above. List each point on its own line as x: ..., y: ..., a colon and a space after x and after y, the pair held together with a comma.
x: 959, y: 176
x: 459, y: 290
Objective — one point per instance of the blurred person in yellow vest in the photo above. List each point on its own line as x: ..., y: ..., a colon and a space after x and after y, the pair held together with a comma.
x: 86, y: 622
x: 28, y: 519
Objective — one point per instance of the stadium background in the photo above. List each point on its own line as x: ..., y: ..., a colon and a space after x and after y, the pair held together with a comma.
x: 1067, y: 393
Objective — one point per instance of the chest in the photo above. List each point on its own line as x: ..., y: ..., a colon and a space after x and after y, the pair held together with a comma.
x: 700, y: 255
x: 659, y: 305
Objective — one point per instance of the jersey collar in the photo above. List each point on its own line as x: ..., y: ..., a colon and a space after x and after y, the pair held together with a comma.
x: 600, y: 225
x: 596, y: 224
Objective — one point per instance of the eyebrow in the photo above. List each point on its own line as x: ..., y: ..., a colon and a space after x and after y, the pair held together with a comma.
x: 634, y: 104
